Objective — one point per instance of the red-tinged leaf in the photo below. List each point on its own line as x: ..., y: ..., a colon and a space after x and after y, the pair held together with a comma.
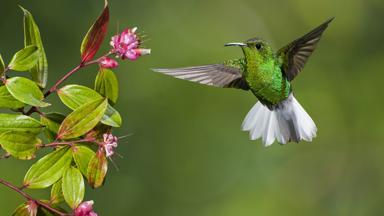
x: 97, y: 169
x: 95, y: 36
x: 27, y: 209
x: 82, y: 120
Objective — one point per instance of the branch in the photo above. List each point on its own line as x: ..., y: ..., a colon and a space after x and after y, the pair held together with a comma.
x: 28, y: 197
x: 54, y: 87
x: 69, y: 143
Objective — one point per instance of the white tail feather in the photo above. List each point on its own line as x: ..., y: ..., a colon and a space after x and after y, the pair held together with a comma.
x: 286, y: 122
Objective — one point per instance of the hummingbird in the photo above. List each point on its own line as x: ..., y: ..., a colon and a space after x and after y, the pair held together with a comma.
x: 268, y: 75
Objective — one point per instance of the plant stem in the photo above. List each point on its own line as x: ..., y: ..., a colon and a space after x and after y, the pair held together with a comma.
x: 69, y: 143
x: 54, y: 87
x: 28, y: 197
x: 81, y: 65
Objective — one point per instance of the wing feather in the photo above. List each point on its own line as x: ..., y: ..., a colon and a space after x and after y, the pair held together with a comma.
x: 218, y: 75
x: 297, y: 53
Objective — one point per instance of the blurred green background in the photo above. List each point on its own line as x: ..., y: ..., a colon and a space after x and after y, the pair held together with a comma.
x: 187, y: 156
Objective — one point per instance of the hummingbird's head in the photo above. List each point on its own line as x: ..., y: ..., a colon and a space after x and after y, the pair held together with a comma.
x: 254, y: 47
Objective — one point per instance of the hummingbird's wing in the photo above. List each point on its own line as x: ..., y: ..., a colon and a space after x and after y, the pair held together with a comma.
x: 219, y: 75
x: 295, y: 55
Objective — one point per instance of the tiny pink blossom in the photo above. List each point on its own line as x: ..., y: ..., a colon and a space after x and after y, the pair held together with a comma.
x: 109, y: 143
x: 127, y: 45
x: 85, y: 209
x: 107, y: 62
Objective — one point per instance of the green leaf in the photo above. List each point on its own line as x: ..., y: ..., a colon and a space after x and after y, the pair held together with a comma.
x: 25, y: 91
x: 107, y: 85
x: 52, y: 122
x: 73, y: 187
x: 32, y: 37
x: 2, y: 66
x: 25, y: 59
x: 95, y: 36
x: 48, y: 169
x: 83, y: 119
x: 19, y: 123
x: 97, y: 170
x: 8, y: 101
x: 26, y: 209
x: 57, y: 193
x: 111, y: 117
x: 82, y: 155
x: 20, y: 145
x: 74, y: 96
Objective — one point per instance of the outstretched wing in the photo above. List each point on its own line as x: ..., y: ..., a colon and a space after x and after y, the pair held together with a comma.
x: 219, y: 75
x: 296, y: 54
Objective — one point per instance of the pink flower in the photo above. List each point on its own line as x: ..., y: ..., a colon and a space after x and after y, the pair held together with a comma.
x: 106, y: 62
x: 109, y: 143
x: 85, y: 209
x: 127, y: 45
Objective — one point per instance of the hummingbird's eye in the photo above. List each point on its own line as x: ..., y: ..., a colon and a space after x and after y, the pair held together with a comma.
x: 258, y: 46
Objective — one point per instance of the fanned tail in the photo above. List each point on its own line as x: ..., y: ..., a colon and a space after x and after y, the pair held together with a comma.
x: 286, y: 122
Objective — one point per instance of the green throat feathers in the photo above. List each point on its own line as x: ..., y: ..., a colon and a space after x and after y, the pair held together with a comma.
x: 261, y: 69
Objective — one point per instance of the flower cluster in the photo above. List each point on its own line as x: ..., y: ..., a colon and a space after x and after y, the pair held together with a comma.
x: 109, y: 143
x: 85, y: 209
x: 127, y: 45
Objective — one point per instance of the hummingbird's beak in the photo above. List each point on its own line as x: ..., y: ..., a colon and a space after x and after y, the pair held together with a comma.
x: 236, y: 44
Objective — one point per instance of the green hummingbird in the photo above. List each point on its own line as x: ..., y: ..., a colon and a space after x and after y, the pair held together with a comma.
x: 268, y: 75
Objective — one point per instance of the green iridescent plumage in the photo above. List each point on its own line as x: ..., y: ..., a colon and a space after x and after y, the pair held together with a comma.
x: 263, y: 76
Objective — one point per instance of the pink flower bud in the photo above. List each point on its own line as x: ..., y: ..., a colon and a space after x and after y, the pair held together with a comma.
x: 109, y: 144
x: 85, y: 209
x: 107, y: 62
